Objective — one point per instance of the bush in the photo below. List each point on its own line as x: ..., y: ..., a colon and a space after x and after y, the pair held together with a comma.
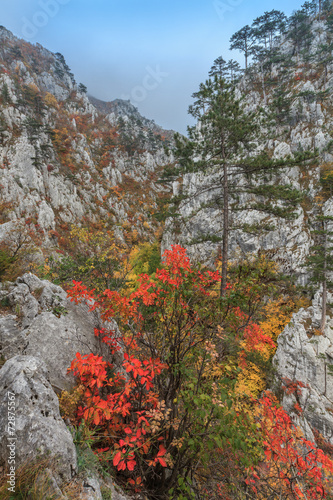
x: 6, y: 263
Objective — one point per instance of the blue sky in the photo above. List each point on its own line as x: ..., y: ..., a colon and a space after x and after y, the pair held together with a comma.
x: 153, y: 52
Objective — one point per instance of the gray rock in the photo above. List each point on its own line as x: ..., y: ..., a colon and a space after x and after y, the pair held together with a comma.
x: 92, y: 489
x: 39, y: 428
x: 49, y: 326
x: 307, y: 358
x: 116, y: 493
x: 282, y: 150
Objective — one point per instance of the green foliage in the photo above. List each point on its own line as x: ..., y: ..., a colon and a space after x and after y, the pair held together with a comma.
x: 320, y: 259
x: 83, y: 88
x: 5, y: 96
x: 106, y: 493
x: 84, y: 438
x: 6, y: 262
x: 147, y: 259
x: 4, y: 302
x: 59, y: 310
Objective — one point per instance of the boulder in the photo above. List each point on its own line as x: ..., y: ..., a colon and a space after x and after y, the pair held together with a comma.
x: 38, y: 429
x: 44, y: 323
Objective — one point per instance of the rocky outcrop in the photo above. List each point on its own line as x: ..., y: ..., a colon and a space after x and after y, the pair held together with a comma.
x: 40, y: 333
x: 38, y: 429
x: 42, y: 322
x: 304, y: 355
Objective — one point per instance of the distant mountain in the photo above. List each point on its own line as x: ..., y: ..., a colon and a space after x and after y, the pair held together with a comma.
x: 121, y: 109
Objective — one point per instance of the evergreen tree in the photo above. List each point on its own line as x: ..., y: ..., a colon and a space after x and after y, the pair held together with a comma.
x: 219, y: 68
x: 326, y: 6
x: 268, y: 27
x: 320, y: 260
x: 222, y: 145
x: 5, y: 96
x: 234, y: 70
x: 243, y: 41
x: 228, y: 70
x: 309, y: 8
x: 299, y: 31
x: 83, y: 88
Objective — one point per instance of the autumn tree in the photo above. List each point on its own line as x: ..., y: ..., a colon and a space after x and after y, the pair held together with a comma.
x: 172, y: 427
x: 90, y: 254
x: 166, y: 412
x: 293, y: 467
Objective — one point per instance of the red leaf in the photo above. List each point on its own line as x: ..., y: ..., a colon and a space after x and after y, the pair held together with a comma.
x: 116, y: 458
x: 131, y: 464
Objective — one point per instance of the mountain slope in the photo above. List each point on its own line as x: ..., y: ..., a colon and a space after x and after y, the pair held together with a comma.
x: 65, y: 161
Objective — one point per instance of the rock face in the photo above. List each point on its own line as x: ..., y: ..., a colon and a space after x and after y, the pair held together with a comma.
x: 303, y: 355
x: 39, y: 428
x: 45, y: 324
x: 288, y: 243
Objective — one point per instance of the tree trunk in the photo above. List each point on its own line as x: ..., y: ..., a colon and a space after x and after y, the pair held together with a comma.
x: 323, y: 309
x: 225, y: 228
x: 263, y: 83
x: 324, y: 298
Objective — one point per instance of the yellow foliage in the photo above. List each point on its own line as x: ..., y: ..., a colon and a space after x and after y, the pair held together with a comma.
x: 250, y: 381
x: 34, y: 88
x: 50, y: 100
x: 277, y: 316
x: 69, y: 402
x: 141, y: 260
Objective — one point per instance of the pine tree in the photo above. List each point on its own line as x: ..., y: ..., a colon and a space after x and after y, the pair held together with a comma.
x: 299, y: 31
x: 309, y: 8
x: 82, y: 88
x: 243, y: 40
x: 219, y: 68
x: 320, y: 260
x: 223, y: 145
x: 234, y: 70
x: 268, y: 27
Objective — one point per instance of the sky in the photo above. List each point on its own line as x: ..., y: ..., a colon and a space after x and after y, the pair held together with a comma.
x: 153, y: 52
